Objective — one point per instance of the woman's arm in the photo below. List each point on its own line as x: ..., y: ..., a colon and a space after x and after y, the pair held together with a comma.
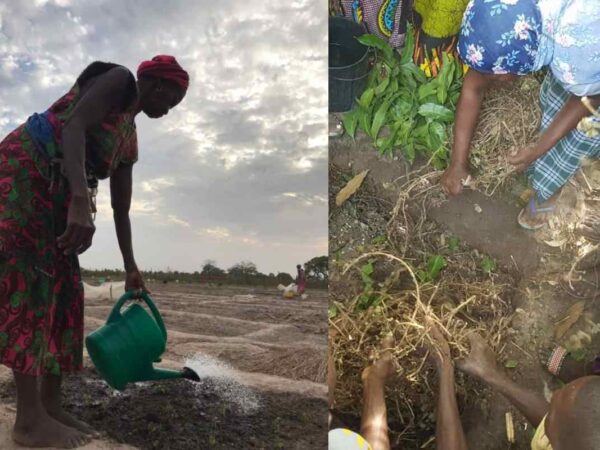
x: 467, y: 114
x: 120, y: 193
x: 562, y: 124
x: 102, y: 97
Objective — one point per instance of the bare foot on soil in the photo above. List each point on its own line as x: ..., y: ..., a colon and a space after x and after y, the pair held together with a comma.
x: 67, y: 419
x: 481, y: 361
x: 384, y: 366
x: 45, y: 431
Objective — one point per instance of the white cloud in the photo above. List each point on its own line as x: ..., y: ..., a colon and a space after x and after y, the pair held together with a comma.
x: 251, y: 127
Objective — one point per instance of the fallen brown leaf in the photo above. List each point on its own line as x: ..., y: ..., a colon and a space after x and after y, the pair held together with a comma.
x: 573, y: 315
x: 351, y: 187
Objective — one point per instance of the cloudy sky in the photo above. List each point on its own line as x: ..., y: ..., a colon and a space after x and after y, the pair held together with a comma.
x: 238, y: 171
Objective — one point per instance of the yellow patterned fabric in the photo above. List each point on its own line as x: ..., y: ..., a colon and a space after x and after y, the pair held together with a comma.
x: 343, y: 439
x: 441, y: 18
x: 540, y: 441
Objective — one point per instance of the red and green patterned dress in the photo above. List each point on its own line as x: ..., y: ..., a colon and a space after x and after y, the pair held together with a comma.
x: 41, y: 293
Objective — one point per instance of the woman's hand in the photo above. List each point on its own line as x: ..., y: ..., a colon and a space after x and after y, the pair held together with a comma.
x: 523, y: 158
x: 454, y: 178
x: 135, y: 282
x: 439, y: 347
x: 77, y: 238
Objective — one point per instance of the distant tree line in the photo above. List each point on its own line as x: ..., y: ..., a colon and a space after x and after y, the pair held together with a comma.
x: 242, y: 273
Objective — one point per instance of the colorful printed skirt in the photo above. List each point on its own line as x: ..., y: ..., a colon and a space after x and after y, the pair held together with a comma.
x: 385, y: 18
x: 41, y: 294
x: 552, y: 171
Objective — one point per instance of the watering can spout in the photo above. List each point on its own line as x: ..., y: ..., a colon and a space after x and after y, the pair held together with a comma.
x: 165, y: 374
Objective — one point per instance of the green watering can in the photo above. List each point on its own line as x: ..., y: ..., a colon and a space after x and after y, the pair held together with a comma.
x: 124, y: 349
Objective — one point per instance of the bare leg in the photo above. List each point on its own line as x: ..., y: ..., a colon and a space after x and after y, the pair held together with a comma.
x: 51, y: 397
x: 481, y: 363
x: 449, y: 434
x: 373, y: 426
x: 33, y: 426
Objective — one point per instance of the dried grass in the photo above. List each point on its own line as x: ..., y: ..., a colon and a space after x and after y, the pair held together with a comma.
x: 296, y: 363
x: 461, y: 301
x: 509, y: 121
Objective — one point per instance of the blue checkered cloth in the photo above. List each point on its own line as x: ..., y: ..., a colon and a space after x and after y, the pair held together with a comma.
x: 552, y: 171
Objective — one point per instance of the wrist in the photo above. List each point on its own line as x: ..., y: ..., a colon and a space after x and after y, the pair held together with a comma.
x: 458, y: 164
x: 131, y: 266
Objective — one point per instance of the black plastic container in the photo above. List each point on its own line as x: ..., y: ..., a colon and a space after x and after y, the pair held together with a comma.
x: 348, y: 64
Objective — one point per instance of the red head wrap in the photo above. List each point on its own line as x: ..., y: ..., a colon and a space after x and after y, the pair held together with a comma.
x: 166, y: 67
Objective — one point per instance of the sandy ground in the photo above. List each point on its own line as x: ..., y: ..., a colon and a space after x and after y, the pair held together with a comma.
x: 539, y: 303
x: 253, y: 330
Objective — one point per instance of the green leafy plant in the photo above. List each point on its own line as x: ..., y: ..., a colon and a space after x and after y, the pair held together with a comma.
x: 511, y: 364
x: 488, y: 264
x: 435, y: 265
x: 403, y: 109
x: 453, y: 243
x: 368, y: 297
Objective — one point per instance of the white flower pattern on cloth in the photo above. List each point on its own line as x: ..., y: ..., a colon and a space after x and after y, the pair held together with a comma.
x: 522, y: 36
x: 500, y: 36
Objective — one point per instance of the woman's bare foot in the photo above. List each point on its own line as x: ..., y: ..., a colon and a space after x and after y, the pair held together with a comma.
x: 67, y: 419
x: 384, y: 367
x: 481, y: 361
x: 44, y: 431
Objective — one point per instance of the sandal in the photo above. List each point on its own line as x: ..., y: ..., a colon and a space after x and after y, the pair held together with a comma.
x: 586, y: 288
x: 590, y: 229
x: 533, y: 210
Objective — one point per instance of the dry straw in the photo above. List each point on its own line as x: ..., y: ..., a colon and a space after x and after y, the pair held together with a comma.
x: 461, y: 301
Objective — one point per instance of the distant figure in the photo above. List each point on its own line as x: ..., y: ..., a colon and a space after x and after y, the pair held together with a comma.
x: 301, y: 280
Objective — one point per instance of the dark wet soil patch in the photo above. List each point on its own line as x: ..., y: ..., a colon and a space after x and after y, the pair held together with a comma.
x: 180, y: 415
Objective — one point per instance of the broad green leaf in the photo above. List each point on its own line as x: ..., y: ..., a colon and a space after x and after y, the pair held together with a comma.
x: 387, y: 143
x: 350, y: 120
x: 371, y: 40
x: 366, y: 98
x: 511, y: 363
x: 374, y: 74
x: 409, y: 151
x: 425, y: 90
x: 332, y: 312
x: 454, y: 98
x: 488, y: 264
x: 439, y: 130
x: 417, y: 73
x: 409, y: 46
x: 381, y: 87
x: 453, y: 243
x: 442, y: 94
x: 393, y: 88
x: 436, y: 112
x: 435, y: 265
x: 364, y: 119
x: 379, y: 119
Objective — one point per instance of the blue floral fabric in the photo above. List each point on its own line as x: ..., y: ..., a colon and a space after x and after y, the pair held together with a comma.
x: 522, y: 36
x: 501, y: 36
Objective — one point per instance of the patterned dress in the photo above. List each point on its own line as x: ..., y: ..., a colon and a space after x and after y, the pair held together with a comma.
x: 521, y: 37
x: 384, y: 18
x: 41, y: 293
